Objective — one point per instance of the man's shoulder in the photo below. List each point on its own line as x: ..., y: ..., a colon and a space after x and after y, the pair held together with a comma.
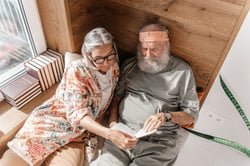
x: 180, y: 62
x: 129, y: 63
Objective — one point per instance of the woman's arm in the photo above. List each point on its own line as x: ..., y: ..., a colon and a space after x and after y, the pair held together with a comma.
x: 76, y: 97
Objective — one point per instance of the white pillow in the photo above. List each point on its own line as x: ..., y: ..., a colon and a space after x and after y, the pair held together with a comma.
x: 69, y: 57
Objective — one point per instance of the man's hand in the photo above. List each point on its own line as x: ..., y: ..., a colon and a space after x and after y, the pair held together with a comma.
x: 154, y: 122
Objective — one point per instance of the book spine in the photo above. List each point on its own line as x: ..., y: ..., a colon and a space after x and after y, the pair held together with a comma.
x: 35, y: 94
x: 35, y: 72
x: 45, y: 66
x: 23, y: 98
x: 59, y: 66
x: 53, y: 64
x: 49, y: 66
x: 20, y: 86
x: 60, y: 60
x: 26, y: 95
x: 58, y: 54
x: 32, y: 61
x: 31, y: 87
x: 56, y: 61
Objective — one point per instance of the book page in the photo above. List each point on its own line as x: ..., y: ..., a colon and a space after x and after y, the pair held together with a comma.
x: 141, y: 133
x: 124, y: 128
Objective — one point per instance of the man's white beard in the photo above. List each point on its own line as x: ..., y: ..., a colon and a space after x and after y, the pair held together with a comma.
x: 153, y: 65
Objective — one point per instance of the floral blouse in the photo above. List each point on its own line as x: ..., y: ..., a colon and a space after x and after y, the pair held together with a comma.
x: 57, y: 121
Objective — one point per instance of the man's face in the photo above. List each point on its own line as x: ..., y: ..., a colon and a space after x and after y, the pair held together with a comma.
x: 153, y: 57
x: 152, y: 49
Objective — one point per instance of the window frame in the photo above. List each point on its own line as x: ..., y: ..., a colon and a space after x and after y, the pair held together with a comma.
x: 33, y: 22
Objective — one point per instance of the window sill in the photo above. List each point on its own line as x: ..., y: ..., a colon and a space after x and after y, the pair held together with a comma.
x: 12, y: 119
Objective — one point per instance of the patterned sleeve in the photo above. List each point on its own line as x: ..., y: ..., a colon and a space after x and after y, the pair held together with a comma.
x: 77, y: 98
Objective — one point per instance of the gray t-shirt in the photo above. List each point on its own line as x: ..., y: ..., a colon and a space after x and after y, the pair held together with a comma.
x: 145, y: 94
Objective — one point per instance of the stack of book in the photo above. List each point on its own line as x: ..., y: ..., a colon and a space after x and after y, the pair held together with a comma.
x: 47, y: 68
x: 21, y: 90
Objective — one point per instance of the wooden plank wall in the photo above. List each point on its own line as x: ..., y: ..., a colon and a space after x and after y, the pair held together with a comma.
x: 85, y: 15
x: 200, y: 30
x: 66, y: 22
x: 54, y: 16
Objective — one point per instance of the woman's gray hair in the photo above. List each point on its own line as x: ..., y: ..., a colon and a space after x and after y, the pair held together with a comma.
x: 96, y: 37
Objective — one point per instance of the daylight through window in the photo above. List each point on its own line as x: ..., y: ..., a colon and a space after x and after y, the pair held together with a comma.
x: 16, y: 45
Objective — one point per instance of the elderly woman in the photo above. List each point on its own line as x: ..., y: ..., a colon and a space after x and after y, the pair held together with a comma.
x: 54, y: 132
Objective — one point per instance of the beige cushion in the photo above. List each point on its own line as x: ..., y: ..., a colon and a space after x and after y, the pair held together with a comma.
x: 70, y: 57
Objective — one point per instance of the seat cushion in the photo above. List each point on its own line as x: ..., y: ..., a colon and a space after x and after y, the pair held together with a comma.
x: 69, y: 57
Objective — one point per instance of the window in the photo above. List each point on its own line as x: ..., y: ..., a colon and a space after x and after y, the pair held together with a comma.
x: 21, y: 36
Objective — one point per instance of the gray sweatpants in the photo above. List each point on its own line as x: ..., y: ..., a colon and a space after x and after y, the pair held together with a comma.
x: 147, y: 152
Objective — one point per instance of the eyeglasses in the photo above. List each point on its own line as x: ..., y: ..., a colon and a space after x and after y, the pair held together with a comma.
x: 109, y: 57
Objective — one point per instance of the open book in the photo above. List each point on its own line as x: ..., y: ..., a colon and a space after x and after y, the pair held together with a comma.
x: 124, y: 128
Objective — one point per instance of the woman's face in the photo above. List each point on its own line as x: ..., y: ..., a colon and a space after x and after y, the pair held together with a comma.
x: 104, y: 57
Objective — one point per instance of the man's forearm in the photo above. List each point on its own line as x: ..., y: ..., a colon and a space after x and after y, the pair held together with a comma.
x: 182, y: 118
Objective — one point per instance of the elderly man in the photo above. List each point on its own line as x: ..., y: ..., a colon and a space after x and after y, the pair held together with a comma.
x: 156, y: 91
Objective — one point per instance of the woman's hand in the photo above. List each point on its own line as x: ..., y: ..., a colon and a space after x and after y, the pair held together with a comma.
x: 122, y: 140
x: 154, y: 121
x: 111, y: 124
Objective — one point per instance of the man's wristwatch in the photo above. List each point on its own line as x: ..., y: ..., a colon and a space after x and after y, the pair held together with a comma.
x: 168, y: 116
